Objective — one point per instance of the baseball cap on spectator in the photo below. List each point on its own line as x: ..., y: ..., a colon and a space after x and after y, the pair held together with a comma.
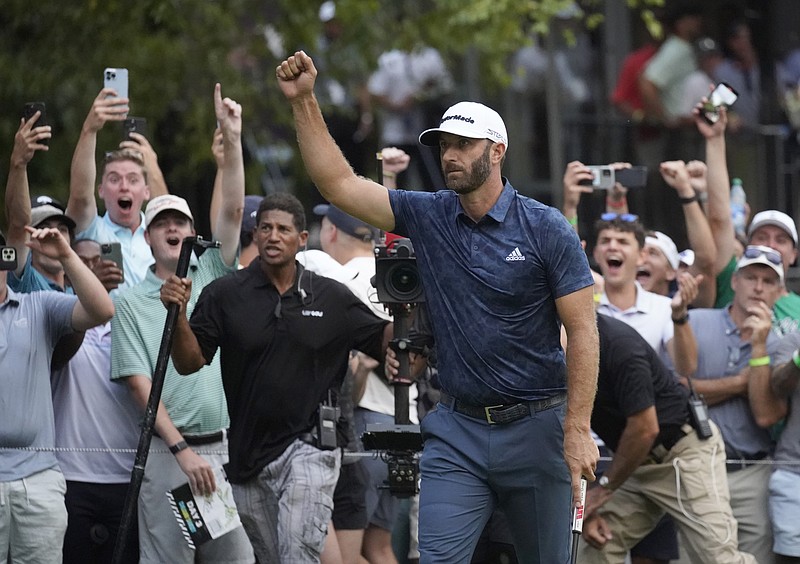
x: 686, y: 257
x: 706, y: 46
x: 776, y: 218
x: 251, y: 204
x: 666, y: 245
x: 468, y: 119
x: 164, y: 203
x: 347, y: 223
x: 327, y: 11
x: 44, y: 208
x: 758, y: 254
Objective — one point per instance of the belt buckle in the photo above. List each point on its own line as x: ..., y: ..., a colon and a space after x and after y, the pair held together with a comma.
x: 489, y: 415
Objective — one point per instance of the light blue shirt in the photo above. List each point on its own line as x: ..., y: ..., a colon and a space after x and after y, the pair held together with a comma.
x: 721, y: 353
x: 30, y: 327
x: 136, y: 254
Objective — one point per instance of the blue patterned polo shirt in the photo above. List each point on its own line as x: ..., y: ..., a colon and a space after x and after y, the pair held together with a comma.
x: 491, y: 288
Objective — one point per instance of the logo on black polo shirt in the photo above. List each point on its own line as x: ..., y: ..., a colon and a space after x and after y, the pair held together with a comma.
x: 516, y: 254
x: 311, y: 313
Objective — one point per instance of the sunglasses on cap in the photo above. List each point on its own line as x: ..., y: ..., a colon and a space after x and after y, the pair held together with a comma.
x: 772, y: 256
x: 625, y: 217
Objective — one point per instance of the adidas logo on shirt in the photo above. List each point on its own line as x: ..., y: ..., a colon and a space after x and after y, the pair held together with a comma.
x: 515, y: 255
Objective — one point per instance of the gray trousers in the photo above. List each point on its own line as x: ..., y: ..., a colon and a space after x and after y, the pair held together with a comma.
x: 287, y: 507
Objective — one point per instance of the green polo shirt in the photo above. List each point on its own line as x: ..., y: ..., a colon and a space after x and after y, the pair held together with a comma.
x: 195, y: 403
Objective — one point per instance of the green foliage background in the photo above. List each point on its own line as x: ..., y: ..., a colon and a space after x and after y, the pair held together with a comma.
x: 175, y: 50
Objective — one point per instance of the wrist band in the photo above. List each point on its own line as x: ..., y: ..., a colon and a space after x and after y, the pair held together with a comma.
x: 573, y: 220
x: 389, y: 174
x: 690, y: 200
x: 796, y: 358
x: 179, y: 446
x: 615, y: 203
x: 681, y: 320
x: 759, y: 361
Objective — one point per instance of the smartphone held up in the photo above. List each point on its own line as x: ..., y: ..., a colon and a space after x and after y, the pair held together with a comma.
x: 722, y: 96
x: 30, y: 109
x: 117, y: 79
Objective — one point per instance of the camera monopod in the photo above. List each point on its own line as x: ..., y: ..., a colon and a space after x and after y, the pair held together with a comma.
x: 137, y: 474
x: 577, y: 522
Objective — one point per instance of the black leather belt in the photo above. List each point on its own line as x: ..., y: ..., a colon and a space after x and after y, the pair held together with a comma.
x: 504, y: 413
x: 197, y: 440
x: 668, y: 440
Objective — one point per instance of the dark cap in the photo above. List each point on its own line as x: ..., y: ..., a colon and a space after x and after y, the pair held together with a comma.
x: 674, y: 10
x: 251, y: 204
x: 44, y: 208
x: 347, y: 223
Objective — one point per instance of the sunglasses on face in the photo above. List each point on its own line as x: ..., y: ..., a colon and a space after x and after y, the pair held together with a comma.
x: 626, y: 217
x: 772, y: 256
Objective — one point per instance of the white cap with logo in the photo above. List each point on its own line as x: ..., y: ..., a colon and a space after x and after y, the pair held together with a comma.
x: 164, y: 203
x: 468, y: 119
x: 776, y: 218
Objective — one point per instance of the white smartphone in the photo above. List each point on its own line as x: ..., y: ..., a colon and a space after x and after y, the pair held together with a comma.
x: 722, y: 95
x: 116, y: 79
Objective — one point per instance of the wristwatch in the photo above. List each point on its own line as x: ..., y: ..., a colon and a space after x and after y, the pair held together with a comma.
x: 179, y: 446
x: 602, y: 481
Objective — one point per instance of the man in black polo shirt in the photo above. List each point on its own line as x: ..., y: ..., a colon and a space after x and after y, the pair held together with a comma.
x: 285, y: 335
x: 641, y: 412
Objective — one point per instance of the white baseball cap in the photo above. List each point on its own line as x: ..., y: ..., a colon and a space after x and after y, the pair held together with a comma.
x: 776, y: 218
x: 164, y: 203
x: 468, y: 119
x: 759, y: 254
x: 666, y: 245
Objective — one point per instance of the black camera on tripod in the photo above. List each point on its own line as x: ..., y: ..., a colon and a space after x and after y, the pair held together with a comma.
x: 397, y: 278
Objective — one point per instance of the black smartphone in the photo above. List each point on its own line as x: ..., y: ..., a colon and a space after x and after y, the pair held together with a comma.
x: 112, y: 251
x: 722, y: 95
x: 8, y: 258
x: 30, y: 109
x: 133, y: 125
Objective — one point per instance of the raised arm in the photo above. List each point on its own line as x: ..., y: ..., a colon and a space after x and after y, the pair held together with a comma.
x: 676, y: 175
x: 94, y: 304
x: 231, y: 197
x: 719, y: 189
x: 575, y: 172
x: 324, y: 162
x: 82, y: 206
x: 576, y: 311
x: 27, y: 141
x: 393, y: 162
x: 218, y: 150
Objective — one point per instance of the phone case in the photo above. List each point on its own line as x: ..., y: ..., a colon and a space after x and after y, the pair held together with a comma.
x: 112, y: 251
x: 116, y: 79
x: 134, y: 124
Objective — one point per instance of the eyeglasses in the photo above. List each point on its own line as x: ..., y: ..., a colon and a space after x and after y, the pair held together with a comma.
x: 772, y: 256
x: 626, y: 217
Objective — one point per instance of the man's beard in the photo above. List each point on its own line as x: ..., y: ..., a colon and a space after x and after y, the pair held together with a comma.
x: 477, y: 175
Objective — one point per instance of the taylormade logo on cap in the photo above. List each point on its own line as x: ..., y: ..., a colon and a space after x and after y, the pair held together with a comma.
x: 468, y: 119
